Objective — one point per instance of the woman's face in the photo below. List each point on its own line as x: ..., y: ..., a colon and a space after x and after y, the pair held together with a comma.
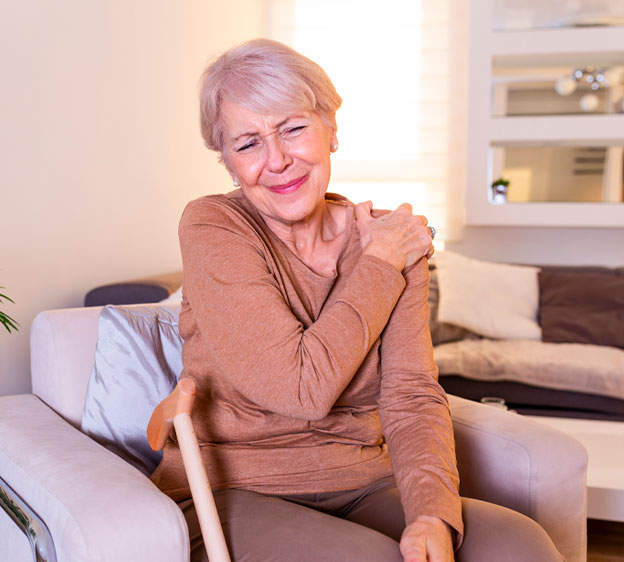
x: 281, y: 160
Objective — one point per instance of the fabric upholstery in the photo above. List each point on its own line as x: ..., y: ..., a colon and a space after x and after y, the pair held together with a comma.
x: 14, y: 545
x: 442, y: 332
x: 146, y: 290
x: 534, y: 400
x: 509, y: 460
x: 491, y: 299
x: 62, y: 346
x: 592, y: 369
x: 138, y: 360
x: 96, y: 506
x: 111, y: 502
x: 582, y: 308
x: 173, y: 298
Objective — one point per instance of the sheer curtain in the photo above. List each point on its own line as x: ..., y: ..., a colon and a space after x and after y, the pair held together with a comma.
x: 399, y: 67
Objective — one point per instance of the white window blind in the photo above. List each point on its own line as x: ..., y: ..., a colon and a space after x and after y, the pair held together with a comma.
x: 395, y: 65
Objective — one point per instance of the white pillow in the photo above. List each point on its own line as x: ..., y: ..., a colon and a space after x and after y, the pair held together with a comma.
x: 491, y: 299
x: 173, y: 298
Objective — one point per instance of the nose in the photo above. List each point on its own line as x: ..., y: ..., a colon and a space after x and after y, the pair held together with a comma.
x: 277, y: 158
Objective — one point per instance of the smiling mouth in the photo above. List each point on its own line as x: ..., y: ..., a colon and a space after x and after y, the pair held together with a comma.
x: 289, y: 187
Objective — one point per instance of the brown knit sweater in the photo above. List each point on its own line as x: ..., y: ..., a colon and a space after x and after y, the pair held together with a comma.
x: 306, y: 383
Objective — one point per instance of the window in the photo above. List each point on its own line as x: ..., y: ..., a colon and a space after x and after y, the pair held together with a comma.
x: 391, y: 63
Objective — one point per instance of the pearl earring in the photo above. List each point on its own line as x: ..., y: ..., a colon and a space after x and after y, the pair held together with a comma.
x: 335, y: 147
x: 236, y: 184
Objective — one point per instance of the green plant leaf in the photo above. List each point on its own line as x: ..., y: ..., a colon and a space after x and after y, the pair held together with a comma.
x: 500, y: 181
x: 5, y: 297
x: 8, y: 322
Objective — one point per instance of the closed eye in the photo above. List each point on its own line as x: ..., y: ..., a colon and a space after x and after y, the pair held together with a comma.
x: 246, y: 146
x: 295, y: 130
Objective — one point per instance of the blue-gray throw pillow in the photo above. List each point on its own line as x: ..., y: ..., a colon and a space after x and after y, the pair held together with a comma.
x: 138, y: 360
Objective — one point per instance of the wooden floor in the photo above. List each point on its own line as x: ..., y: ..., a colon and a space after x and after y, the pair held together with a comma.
x: 605, y: 541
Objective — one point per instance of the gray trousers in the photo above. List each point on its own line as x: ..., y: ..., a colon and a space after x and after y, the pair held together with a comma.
x: 357, y: 525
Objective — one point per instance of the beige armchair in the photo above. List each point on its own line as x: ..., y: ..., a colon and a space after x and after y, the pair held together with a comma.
x: 67, y: 498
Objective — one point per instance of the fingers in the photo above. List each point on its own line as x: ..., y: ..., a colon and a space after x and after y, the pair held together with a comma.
x: 363, y: 211
x: 363, y: 220
x: 427, y: 540
x: 415, y: 552
x: 398, y: 237
x: 426, y: 238
x: 407, y: 207
x: 422, y: 246
x: 413, y: 548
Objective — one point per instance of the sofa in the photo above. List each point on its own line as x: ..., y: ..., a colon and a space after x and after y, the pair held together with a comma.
x: 75, y: 485
x: 545, y: 340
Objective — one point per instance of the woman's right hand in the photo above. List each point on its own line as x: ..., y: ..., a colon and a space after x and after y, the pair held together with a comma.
x: 398, y: 237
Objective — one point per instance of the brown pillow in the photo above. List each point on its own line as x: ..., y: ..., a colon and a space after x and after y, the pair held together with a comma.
x: 582, y: 308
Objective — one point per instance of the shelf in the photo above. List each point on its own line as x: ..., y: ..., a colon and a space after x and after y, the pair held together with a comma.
x: 585, y: 215
x: 565, y: 45
x: 540, y: 49
x: 561, y: 130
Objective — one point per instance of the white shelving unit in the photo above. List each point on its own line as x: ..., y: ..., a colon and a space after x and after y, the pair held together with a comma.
x: 569, y: 46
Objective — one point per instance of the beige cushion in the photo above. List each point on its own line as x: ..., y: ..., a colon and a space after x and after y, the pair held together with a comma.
x: 62, y: 346
x: 491, y: 299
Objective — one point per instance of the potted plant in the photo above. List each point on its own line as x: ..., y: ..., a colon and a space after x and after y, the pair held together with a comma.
x: 499, y: 190
x: 5, y: 319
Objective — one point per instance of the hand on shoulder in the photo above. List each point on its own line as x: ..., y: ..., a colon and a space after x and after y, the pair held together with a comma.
x: 398, y: 237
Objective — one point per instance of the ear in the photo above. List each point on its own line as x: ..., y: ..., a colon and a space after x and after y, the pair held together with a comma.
x: 334, y: 141
x: 333, y: 128
x: 230, y: 171
x: 235, y: 181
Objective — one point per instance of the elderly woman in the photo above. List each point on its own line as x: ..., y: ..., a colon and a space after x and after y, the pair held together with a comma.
x: 305, y: 325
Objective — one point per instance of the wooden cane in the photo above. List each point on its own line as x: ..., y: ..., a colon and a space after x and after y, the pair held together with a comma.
x: 174, y: 412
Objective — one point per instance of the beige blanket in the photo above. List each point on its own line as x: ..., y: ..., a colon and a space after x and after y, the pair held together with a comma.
x: 576, y: 367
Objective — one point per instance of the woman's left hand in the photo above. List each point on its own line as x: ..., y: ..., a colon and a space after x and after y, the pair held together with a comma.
x: 428, y: 539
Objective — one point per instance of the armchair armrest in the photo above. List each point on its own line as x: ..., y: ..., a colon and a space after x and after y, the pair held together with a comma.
x: 95, y: 505
x: 521, y: 464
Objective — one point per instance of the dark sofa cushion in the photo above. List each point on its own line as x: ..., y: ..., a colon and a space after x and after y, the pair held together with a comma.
x: 137, y: 291
x: 582, y: 307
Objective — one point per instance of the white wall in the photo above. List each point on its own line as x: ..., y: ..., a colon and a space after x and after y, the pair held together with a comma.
x: 543, y: 246
x: 100, y: 147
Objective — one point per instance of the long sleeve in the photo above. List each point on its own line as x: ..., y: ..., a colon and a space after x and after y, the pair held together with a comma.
x: 414, y: 410
x: 289, y: 366
x: 241, y: 315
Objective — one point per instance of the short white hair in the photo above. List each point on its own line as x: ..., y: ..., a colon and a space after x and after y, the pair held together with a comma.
x: 264, y: 76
